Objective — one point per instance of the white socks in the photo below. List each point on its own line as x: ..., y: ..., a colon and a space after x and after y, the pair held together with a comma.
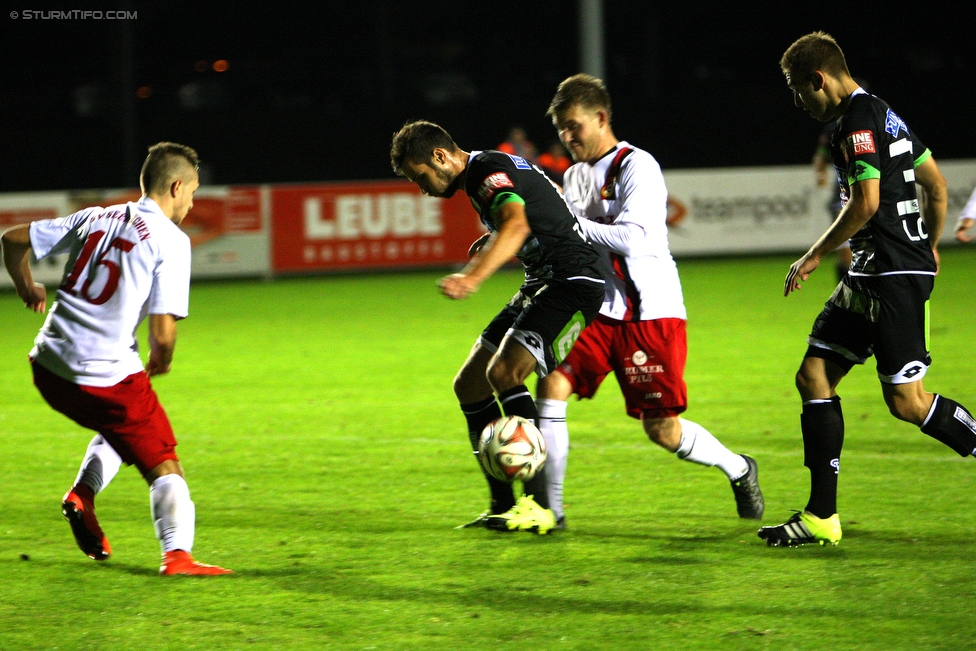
x: 699, y: 446
x: 173, y: 513
x: 100, y: 465
x: 552, y: 424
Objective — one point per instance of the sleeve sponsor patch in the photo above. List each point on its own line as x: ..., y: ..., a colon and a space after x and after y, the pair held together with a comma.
x: 859, y: 143
x: 894, y: 124
x: 492, y: 184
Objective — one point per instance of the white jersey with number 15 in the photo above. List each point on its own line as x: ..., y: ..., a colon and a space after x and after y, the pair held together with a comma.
x: 125, y: 262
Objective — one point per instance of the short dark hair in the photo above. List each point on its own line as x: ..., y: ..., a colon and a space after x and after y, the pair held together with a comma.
x: 581, y: 90
x: 166, y: 162
x: 815, y: 51
x: 416, y: 142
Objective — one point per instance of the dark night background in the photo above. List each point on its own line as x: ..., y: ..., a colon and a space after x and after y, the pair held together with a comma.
x: 313, y: 92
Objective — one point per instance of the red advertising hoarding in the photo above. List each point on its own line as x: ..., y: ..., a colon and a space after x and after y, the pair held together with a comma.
x: 371, y: 225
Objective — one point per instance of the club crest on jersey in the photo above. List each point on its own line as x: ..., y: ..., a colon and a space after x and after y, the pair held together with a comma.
x: 520, y: 162
x: 894, y: 124
x: 858, y: 143
x: 492, y: 184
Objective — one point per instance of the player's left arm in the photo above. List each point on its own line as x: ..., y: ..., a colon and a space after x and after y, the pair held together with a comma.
x: 642, y: 200
x: 934, y: 201
x: 513, y: 229
x: 17, y: 248
x: 162, y: 343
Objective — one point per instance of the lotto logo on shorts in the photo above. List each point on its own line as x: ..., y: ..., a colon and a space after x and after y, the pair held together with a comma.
x: 493, y: 183
x: 860, y: 142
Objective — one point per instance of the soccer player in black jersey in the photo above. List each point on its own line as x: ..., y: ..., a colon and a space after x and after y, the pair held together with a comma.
x: 881, y: 306
x: 527, y: 217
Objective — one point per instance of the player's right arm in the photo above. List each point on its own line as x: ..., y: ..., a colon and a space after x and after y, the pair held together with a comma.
x: 860, y: 208
x: 16, y: 258
x: 642, y: 201
x: 967, y: 219
x: 513, y: 229
x: 963, y: 225
x: 162, y: 343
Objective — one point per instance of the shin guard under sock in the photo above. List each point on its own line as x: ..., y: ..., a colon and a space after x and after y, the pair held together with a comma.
x: 479, y: 415
x: 517, y: 401
x: 822, y: 425
x: 951, y: 424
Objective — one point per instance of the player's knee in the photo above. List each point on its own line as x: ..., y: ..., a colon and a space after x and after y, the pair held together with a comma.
x: 663, y: 431
x: 461, y: 384
x: 810, y: 383
x: 501, y: 376
x: 555, y: 386
x: 802, y: 382
x: 906, y: 408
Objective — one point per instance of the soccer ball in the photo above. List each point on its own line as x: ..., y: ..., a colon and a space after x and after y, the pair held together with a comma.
x: 512, y: 448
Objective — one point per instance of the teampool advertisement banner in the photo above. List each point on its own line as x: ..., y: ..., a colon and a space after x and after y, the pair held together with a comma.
x: 268, y: 230
x: 753, y: 210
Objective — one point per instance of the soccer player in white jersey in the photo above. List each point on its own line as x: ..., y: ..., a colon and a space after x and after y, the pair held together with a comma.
x: 618, y: 192
x: 125, y: 262
x: 966, y: 220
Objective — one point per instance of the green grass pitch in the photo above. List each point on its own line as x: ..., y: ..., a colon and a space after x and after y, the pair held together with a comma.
x: 329, y: 464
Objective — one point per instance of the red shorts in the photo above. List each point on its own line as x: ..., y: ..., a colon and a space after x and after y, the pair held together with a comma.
x: 648, y: 358
x: 128, y: 415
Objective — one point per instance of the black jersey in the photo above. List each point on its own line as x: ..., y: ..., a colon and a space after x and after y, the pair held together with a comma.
x: 872, y: 142
x: 557, y: 247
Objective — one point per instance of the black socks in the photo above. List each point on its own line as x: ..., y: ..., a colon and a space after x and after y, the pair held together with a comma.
x: 822, y: 425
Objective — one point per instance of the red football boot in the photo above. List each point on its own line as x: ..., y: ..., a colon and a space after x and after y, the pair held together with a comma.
x: 179, y: 562
x: 79, y: 510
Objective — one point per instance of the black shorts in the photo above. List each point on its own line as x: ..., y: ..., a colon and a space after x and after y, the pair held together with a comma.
x: 884, y: 316
x: 546, y: 317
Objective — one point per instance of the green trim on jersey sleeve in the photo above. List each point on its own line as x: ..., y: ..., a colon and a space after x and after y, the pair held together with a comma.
x: 505, y: 197
x: 927, y: 154
x: 862, y: 172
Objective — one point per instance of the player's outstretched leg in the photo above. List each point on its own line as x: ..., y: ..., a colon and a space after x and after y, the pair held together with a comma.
x: 801, y: 529
x: 99, y: 467
x: 698, y: 445
x: 174, y: 517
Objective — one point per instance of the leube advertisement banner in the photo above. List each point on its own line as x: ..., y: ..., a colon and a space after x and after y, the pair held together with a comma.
x: 379, y: 225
